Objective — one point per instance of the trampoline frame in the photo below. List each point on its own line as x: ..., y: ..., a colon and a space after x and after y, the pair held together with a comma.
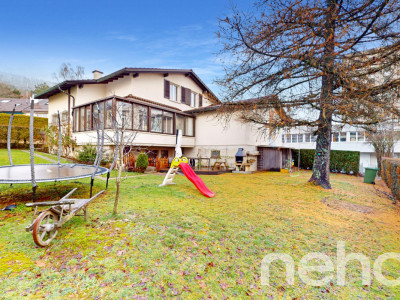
x: 98, y: 170
x: 101, y: 171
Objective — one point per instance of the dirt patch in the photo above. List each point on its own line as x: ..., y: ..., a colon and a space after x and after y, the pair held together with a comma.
x: 341, y: 204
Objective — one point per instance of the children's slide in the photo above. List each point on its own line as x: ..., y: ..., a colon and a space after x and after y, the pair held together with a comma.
x: 196, y: 180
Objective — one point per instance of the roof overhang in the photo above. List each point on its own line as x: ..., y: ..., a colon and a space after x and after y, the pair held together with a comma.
x: 65, y: 85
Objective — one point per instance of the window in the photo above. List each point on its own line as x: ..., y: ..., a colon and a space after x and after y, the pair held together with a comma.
x: 96, y: 120
x: 156, y: 120
x: 193, y: 99
x: 109, y: 114
x: 313, y: 138
x: 82, y: 119
x: 335, y: 137
x: 180, y: 123
x: 294, y: 138
x: 343, y: 137
x: 215, y: 154
x: 283, y: 138
x: 88, y: 124
x: 353, y: 136
x: 54, y: 120
x: 168, y: 122
x: 173, y: 92
x: 300, y: 138
x: 164, y: 153
x: 189, y: 126
x: 124, y: 114
x: 140, y: 117
x: 64, y: 117
x: 307, y: 138
x: 76, y: 119
x: 288, y: 138
x: 361, y: 136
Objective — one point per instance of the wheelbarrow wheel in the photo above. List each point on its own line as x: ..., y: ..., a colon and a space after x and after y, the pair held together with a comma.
x: 45, y: 228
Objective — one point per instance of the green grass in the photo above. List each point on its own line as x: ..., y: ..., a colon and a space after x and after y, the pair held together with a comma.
x: 53, y: 157
x: 172, y: 241
x: 19, y: 158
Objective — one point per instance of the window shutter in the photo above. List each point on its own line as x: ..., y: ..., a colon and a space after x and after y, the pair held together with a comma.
x: 200, y: 100
x: 188, y: 96
x: 166, y: 89
x: 183, y: 95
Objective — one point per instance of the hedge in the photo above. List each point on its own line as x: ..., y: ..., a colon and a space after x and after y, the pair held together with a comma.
x: 340, y: 161
x: 20, y: 129
x: 23, y: 121
x: 390, y: 173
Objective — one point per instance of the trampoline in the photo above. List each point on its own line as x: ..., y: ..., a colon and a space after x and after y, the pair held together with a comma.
x: 34, y: 173
x: 47, y: 172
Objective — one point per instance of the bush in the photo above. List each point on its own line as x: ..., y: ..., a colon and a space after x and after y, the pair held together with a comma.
x: 142, y: 162
x: 87, y: 154
x: 341, y: 161
x: 390, y: 170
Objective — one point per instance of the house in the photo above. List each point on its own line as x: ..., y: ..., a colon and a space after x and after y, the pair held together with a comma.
x: 155, y: 103
x: 22, y: 106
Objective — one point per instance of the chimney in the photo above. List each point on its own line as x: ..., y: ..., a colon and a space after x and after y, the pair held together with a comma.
x: 97, y: 74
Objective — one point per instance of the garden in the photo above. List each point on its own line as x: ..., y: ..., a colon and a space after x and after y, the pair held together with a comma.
x: 174, y: 242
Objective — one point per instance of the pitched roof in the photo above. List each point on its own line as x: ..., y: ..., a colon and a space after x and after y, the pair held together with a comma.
x: 22, y: 105
x: 121, y: 73
x: 251, y: 101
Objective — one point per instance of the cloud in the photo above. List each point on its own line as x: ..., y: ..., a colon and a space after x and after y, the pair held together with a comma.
x: 122, y: 36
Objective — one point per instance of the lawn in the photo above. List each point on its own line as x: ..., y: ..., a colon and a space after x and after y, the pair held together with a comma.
x: 19, y: 157
x: 172, y: 241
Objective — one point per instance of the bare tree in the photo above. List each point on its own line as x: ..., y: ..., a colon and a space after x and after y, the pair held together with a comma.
x: 309, y: 62
x: 68, y: 72
x: 382, y: 137
x: 121, y: 139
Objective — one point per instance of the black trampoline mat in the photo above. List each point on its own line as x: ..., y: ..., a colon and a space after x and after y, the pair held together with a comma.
x: 47, y: 172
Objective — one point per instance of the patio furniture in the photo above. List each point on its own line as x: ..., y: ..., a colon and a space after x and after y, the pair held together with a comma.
x: 219, y: 165
x: 200, y: 159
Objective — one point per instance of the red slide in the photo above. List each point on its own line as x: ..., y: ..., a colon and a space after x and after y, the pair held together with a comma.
x: 196, y: 180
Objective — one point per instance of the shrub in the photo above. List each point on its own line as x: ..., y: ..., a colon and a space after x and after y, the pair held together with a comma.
x: 341, y: 161
x: 390, y: 170
x: 142, y: 162
x: 87, y: 154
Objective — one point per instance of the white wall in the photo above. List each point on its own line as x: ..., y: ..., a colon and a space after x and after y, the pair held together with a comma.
x: 141, y: 139
x: 151, y: 86
x: 212, y: 134
x: 88, y: 93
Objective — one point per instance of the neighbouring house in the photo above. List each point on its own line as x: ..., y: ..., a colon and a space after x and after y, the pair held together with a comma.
x: 345, y: 138
x: 157, y: 102
x: 22, y: 106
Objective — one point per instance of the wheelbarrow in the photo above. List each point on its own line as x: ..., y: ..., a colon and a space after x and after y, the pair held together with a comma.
x: 45, y: 226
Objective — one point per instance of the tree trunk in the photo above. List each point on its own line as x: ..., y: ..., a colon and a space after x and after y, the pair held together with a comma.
x: 116, y: 197
x: 120, y: 167
x: 320, y: 175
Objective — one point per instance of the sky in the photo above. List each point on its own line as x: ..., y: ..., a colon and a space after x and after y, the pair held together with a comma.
x: 36, y: 37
